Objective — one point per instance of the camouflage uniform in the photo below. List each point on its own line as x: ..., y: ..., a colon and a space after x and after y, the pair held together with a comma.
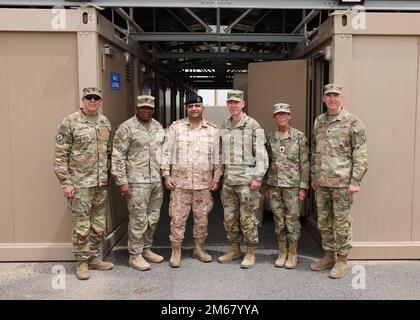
x: 192, y: 158
x: 136, y: 159
x: 339, y: 159
x: 245, y: 159
x: 81, y: 160
x: 288, y: 172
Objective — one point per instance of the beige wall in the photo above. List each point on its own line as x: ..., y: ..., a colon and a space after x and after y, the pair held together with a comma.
x: 379, y: 68
x: 416, y: 176
x: 216, y: 114
x: 7, y: 227
x: 38, y: 87
x: 384, y: 94
x: 118, y: 106
x: 277, y: 81
x: 42, y: 73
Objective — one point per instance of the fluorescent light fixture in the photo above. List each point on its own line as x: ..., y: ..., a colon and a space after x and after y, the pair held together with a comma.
x: 351, y: 2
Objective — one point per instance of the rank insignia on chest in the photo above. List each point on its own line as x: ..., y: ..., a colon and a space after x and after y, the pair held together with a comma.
x: 59, y: 137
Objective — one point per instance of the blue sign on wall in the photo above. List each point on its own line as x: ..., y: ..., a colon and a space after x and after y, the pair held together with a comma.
x: 114, y: 81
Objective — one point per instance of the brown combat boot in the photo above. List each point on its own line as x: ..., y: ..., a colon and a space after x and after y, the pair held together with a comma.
x: 150, y: 256
x: 292, y: 256
x: 233, y: 253
x: 327, y: 262
x: 137, y: 262
x: 98, y: 264
x: 340, y: 268
x: 175, y: 261
x: 199, y: 252
x: 281, y: 260
x: 82, y: 270
x: 249, y: 259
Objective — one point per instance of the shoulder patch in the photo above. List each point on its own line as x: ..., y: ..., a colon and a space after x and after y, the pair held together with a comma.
x: 157, y: 123
x: 211, y: 124
x: 64, y: 129
x: 252, y: 123
x: 297, y: 133
x: 122, y: 132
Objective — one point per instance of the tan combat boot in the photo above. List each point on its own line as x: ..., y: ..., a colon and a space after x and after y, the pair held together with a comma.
x: 340, y: 268
x: 233, y: 253
x: 327, y: 262
x: 98, y: 264
x: 150, y: 256
x: 137, y: 262
x: 199, y: 252
x: 175, y: 261
x: 249, y: 259
x: 281, y: 260
x: 82, y: 270
x: 292, y: 256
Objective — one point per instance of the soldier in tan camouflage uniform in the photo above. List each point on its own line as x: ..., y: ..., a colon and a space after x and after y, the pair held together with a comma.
x: 191, y: 166
x: 136, y: 160
x: 81, y: 163
x: 245, y: 163
x: 338, y: 165
x: 287, y: 182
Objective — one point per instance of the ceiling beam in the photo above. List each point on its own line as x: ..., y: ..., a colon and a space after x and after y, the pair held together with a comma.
x: 185, y: 26
x: 224, y: 85
x: 214, y: 37
x: 216, y: 55
x: 234, y: 23
x: 205, y: 25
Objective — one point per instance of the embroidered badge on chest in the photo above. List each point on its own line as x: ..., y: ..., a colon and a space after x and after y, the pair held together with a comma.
x: 59, y: 137
x: 86, y: 139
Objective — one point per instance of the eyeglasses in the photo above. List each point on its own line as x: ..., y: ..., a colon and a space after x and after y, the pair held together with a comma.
x: 92, y: 96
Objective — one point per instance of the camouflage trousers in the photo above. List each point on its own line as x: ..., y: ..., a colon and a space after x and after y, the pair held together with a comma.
x: 200, y: 202
x: 240, y: 205
x: 286, y: 208
x: 144, y: 212
x: 88, y: 208
x: 334, y: 221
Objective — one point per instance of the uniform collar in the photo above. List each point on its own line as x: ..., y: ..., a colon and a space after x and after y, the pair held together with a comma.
x: 339, y: 117
x: 240, y: 123
x: 284, y: 135
x: 140, y: 124
x: 203, y: 122
x: 343, y: 115
x: 84, y: 119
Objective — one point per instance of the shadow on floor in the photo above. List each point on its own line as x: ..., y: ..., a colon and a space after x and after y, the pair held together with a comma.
x: 216, y: 234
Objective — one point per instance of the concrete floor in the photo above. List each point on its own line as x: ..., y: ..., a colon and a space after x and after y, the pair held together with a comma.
x: 213, y: 281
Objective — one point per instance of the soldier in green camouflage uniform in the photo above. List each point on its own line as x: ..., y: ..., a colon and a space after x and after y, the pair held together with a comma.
x: 136, y: 160
x: 245, y: 163
x: 287, y: 182
x: 81, y: 163
x: 192, y: 168
x: 338, y: 165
